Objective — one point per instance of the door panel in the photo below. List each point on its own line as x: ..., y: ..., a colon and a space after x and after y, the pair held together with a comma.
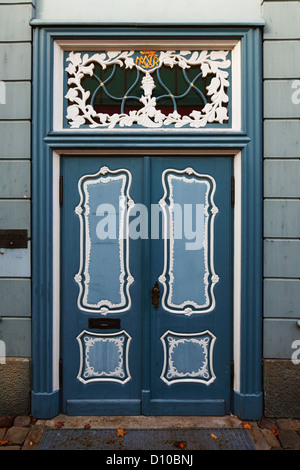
x: 101, y: 365
x: 104, y: 238
x: 191, y: 346
x: 146, y: 285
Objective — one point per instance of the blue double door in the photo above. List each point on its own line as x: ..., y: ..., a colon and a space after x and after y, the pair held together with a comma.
x: 146, y: 285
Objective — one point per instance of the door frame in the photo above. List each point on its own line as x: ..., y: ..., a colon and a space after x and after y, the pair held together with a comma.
x: 244, y: 145
x: 145, y: 403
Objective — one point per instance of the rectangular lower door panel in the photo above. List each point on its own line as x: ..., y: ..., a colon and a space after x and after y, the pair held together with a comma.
x: 185, y: 408
x: 104, y: 407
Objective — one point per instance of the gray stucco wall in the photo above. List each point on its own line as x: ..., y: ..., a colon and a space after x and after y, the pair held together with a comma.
x: 15, y: 204
x: 281, y: 49
x: 281, y: 177
x: 281, y: 207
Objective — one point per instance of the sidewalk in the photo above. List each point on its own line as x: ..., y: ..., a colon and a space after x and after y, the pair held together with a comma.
x: 25, y: 433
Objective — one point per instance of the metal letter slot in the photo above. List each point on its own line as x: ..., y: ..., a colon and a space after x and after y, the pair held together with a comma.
x: 13, y: 238
x: 104, y: 324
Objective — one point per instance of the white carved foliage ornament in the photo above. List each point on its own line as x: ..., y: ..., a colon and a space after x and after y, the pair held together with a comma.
x: 80, y: 112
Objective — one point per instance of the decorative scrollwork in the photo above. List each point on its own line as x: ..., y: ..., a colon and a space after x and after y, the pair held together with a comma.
x: 81, y: 110
x: 188, y: 357
x: 104, y: 357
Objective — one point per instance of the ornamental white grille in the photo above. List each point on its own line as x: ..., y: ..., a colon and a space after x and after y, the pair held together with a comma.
x: 148, y: 89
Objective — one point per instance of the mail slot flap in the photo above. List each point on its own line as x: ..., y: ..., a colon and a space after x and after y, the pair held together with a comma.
x: 104, y: 323
x: 13, y: 238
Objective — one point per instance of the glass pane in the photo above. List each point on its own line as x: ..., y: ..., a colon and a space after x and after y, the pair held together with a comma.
x: 148, y: 88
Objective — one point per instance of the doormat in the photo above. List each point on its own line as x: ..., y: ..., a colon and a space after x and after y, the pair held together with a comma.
x: 147, y: 439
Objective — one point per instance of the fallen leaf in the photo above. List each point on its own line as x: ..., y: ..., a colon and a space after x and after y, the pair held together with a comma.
x: 274, y: 431
x: 214, y: 436
x: 87, y: 426
x: 2, y: 443
x: 111, y: 435
x: 121, y: 432
x: 246, y: 425
x: 59, y: 424
x: 180, y: 444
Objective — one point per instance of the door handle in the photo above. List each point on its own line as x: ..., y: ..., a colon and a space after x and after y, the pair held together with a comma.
x: 155, y: 295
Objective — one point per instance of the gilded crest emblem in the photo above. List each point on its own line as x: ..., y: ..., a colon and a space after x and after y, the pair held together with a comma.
x: 147, y: 60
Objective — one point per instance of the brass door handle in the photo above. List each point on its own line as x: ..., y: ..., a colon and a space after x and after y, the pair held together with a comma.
x: 155, y: 295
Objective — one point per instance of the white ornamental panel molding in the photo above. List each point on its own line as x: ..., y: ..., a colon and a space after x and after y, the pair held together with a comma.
x: 204, y: 74
x: 104, y: 287
x: 104, y: 357
x: 188, y: 357
x: 180, y: 255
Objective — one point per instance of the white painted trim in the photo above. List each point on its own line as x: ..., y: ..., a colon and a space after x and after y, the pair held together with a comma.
x: 237, y: 261
x: 186, y: 307
x: 236, y: 82
x: 87, y: 44
x: 147, y: 152
x: 65, y: 45
x: 58, y: 92
x: 109, y: 337
x: 56, y: 270
x: 237, y: 246
x: 210, y: 358
x: 104, y: 306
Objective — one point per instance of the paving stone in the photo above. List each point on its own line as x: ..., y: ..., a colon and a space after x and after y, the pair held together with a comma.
x: 271, y: 439
x: 33, y: 437
x: 6, y: 421
x: 258, y: 438
x: 289, y: 439
x: 23, y: 421
x: 16, y: 435
x: 288, y: 423
x: 268, y: 423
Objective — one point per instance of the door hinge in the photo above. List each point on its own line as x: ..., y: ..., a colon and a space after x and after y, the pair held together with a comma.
x: 232, y: 374
x: 60, y: 369
x: 232, y: 191
x: 61, y: 191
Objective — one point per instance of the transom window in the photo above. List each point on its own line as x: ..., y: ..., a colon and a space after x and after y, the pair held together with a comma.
x: 148, y: 89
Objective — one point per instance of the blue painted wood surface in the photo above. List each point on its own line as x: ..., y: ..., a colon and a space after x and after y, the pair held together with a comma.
x: 101, y: 375
x: 76, y: 321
